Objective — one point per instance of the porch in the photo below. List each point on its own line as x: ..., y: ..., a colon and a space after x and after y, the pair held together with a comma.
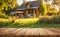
x: 28, y: 13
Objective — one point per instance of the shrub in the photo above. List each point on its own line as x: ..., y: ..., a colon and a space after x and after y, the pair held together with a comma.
x: 58, y: 13
x: 3, y: 15
x: 56, y: 19
x: 43, y: 9
x: 12, y: 22
x: 44, y: 20
x: 50, y: 13
x: 4, y: 24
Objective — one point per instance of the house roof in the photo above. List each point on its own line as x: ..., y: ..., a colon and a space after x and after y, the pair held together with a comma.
x: 22, y: 7
x: 32, y: 4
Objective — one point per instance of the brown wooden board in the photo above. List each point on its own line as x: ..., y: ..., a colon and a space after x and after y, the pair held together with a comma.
x: 29, y: 32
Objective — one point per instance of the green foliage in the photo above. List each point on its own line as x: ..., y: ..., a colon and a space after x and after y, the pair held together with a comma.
x: 53, y: 20
x: 52, y: 13
x: 8, y: 5
x: 18, y: 25
x: 49, y: 13
x: 44, y: 21
x: 56, y: 19
x: 43, y: 9
x: 3, y: 15
x: 58, y: 13
x: 41, y: 23
x: 56, y: 2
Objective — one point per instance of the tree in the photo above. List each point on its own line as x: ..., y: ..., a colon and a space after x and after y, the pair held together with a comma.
x: 56, y: 2
x: 8, y: 5
x: 43, y: 9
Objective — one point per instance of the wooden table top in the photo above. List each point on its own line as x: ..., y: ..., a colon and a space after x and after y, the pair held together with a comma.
x: 29, y: 32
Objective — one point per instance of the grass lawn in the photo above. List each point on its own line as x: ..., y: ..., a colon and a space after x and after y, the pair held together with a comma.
x: 25, y: 23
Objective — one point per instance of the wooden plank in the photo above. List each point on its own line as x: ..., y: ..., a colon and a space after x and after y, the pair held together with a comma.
x: 42, y: 33
x: 56, y: 31
x: 50, y: 33
x: 15, y: 32
x: 6, y: 31
x: 29, y: 32
x: 32, y: 32
x: 22, y: 32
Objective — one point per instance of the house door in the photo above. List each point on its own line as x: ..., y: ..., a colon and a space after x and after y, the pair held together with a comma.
x: 29, y: 13
x: 34, y: 13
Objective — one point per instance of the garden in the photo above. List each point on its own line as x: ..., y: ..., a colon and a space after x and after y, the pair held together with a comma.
x: 49, y: 18
x: 44, y: 22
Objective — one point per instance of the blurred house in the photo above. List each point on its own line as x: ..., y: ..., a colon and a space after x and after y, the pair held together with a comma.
x: 31, y: 8
x: 28, y: 9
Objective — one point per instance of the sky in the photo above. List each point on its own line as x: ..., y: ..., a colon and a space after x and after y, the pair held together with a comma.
x: 21, y: 1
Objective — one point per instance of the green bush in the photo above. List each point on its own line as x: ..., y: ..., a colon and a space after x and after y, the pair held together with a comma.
x: 3, y: 15
x: 44, y: 20
x: 43, y: 9
x: 50, y: 13
x: 4, y: 24
x: 53, y: 20
x: 58, y: 13
x: 56, y: 19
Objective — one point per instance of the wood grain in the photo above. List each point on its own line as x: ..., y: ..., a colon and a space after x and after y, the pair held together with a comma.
x: 29, y: 32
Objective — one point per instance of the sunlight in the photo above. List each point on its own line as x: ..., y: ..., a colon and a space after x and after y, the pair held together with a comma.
x: 28, y: 20
x: 31, y: 0
x: 21, y: 1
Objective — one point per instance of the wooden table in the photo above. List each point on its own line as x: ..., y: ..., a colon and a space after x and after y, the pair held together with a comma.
x: 29, y: 32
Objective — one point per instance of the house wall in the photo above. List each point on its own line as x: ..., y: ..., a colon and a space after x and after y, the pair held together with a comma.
x: 32, y: 13
x: 27, y: 13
